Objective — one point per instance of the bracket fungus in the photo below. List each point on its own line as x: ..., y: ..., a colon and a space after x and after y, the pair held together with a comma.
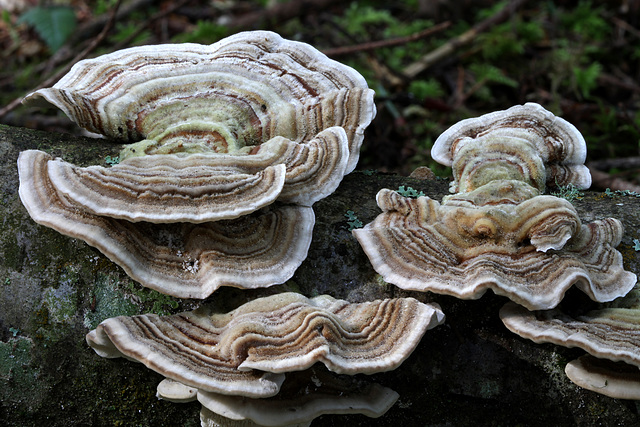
x: 611, y: 332
x: 226, y: 100
x: 304, y: 396
x: 218, y: 133
x: 525, y: 142
x: 498, y: 231
x: 617, y: 380
x: 185, y: 260
x: 247, y: 351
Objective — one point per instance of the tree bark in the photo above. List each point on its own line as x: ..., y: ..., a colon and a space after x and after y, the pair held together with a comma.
x: 469, y: 371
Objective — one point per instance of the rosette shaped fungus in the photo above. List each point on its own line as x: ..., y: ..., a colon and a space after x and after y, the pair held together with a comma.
x: 222, y: 132
x: 610, y: 332
x: 498, y: 232
x: 304, y: 396
x: 247, y: 351
x: 185, y: 260
x: 525, y: 142
x: 195, y: 188
x: 226, y: 100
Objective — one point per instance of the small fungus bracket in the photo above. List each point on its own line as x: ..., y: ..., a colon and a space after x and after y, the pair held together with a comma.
x: 498, y: 231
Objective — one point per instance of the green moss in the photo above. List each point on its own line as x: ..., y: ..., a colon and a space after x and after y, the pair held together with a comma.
x: 14, y: 356
x: 490, y: 389
x: 596, y: 410
x: 20, y: 381
x: 152, y: 301
x: 107, y: 301
x: 61, y: 302
x: 379, y: 280
x: 11, y: 252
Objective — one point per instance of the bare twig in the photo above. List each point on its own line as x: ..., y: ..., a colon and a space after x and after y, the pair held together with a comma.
x: 627, y: 84
x: 86, y: 32
x: 383, y: 73
x: 141, y: 28
x: 281, y: 12
x: 398, y: 41
x: 48, y: 82
x: 602, y: 180
x: 463, y: 39
x: 620, y: 163
x: 626, y: 26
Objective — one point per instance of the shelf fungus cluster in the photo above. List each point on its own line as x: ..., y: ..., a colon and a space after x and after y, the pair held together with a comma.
x: 498, y: 231
x: 231, y: 361
x: 216, y: 135
x: 609, y: 333
x: 304, y: 396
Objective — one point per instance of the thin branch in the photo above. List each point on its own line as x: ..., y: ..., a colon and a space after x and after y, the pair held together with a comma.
x: 83, y: 35
x: 603, y: 180
x: 55, y: 77
x: 626, y: 26
x: 127, y: 41
x: 281, y: 12
x: 463, y: 39
x: 608, y: 79
x: 619, y: 163
x: 398, y: 41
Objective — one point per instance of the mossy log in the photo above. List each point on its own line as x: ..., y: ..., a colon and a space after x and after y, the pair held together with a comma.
x: 470, y: 371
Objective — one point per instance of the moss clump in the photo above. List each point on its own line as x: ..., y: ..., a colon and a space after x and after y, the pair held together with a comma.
x: 61, y: 302
x: 21, y: 383
x: 151, y: 300
x: 107, y: 301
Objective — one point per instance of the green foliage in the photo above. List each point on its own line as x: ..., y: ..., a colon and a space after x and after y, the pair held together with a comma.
x: 365, y: 23
x: 509, y: 38
x: 6, y: 19
x: 205, y: 32
x: 103, y: 6
x: 485, y: 75
x: 24, y: 75
x: 636, y: 245
x: 353, y: 221
x: 160, y: 303
x: 125, y: 31
x: 361, y: 19
x: 491, y: 73
x: 409, y: 192
x: 586, y: 79
x: 423, y: 89
x: 53, y: 24
x: 586, y: 21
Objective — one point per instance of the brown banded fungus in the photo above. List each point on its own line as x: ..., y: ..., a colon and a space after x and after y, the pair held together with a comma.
x: 613, y: 379
x: 525, y: 142
x: 247, y: 351
x: 227, y: 100
x: 611, y: 332
x: 304, y: 396
x: 185, y: 260
x: 218, y: 133
x: 498, y: 231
